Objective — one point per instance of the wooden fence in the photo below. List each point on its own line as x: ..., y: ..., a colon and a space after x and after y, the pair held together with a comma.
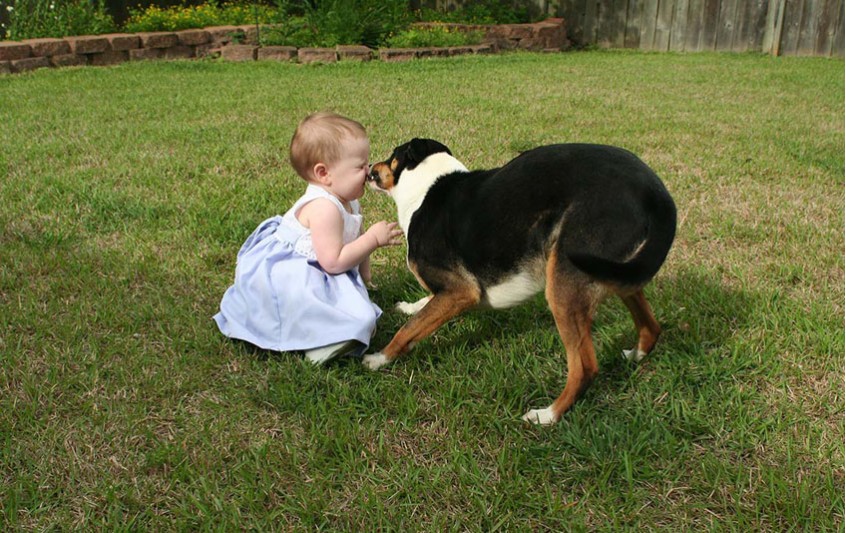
x: 779, y: 27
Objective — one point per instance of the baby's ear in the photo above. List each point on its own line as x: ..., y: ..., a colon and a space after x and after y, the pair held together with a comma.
x: 320, y: 172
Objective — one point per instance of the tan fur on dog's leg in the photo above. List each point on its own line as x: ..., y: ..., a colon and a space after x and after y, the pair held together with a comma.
x: 648, y: 329
x: 438, y: 310
x: 572, y: 306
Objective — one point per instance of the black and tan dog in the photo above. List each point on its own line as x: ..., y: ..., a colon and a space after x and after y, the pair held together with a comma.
x: 582, y: 221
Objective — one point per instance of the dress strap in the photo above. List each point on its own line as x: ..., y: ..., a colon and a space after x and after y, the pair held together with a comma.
x: 352, y: 221
x: 314, y: 192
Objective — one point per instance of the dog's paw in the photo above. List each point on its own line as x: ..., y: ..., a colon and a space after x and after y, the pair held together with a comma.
x: 410, y: 308
x: 375, y: 361
x: 634, y: 356
x: 541, y: 417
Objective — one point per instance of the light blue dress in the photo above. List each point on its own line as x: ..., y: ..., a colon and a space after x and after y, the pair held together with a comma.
x: 283, y: 300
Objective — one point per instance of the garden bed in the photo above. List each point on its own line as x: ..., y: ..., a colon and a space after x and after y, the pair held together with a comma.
x: 240, y: 43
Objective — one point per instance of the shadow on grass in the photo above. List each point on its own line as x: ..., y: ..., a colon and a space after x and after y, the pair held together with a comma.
x: 517, y: 356
x: 697, y: 313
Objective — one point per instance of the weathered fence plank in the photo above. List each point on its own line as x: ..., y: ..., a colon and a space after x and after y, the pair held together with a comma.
x: 780, y: 27
x: 679, y: 25
x: 832, y: 12
x: 725, y: 25
x: 838, y: 29
x: 590, y: 20
x: 774, y: 27
x: 838, y: 34
x: 618, y: 33
x: 634, y: 20
x: 693, y: 30
x: 663, y: 26
x: 711, y: 20
x: 605, y: 23
x: 793, y: 13
x: 647, y: 29
x: 755, y: 23
x: 808, y: 27
x: 572, y: 12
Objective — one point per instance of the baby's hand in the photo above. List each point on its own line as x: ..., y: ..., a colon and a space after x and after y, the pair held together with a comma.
x: 386, y: 233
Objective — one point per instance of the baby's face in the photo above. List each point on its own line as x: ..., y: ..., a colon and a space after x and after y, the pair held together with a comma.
x: 349, y: 173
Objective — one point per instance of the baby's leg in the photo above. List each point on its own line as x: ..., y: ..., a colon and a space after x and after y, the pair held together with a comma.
x: 412, y: 308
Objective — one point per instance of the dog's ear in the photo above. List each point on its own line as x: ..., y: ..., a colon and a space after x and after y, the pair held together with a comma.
x: 420, y: 149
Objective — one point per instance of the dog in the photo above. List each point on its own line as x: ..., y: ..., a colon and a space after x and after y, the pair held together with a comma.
x: 579, y: 221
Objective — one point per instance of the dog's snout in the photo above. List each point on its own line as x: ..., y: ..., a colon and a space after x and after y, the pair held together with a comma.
x: 381, y: 177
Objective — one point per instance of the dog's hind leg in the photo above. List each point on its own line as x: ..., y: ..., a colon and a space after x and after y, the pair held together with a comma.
x: 573, y: 305
x: 648, y: 329
x: 440, y: 308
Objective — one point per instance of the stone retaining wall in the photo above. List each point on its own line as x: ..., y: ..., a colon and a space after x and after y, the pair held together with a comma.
x: 239, y: 43
x: 548, y: 35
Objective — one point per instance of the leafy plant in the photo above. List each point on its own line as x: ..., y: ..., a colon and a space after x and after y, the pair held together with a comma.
x: 213, y: 13
x: 485, y: 12
x: 433, y: 36
x: 29, y: 19
x: 326, y: 23
x: 296, y: 31
x: 366, y: 22
x: 297, y: 23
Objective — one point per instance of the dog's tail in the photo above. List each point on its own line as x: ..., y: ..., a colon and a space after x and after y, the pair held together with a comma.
x: 643, y: 266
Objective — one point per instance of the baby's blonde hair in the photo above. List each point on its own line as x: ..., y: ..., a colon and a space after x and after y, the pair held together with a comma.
x: 318, y: 140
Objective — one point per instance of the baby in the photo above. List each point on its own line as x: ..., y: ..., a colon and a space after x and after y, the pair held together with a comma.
x: 300, y: 278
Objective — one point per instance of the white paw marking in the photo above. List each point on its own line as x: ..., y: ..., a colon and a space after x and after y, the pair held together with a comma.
x: 541, y: 417
x: 375, y: 361
x: 636, y: 355
x: 410, y: 308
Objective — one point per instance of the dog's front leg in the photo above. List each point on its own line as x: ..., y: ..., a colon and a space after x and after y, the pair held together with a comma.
x: 439, y: 308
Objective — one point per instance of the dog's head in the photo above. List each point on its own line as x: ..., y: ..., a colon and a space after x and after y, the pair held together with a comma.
x: 385, y: 175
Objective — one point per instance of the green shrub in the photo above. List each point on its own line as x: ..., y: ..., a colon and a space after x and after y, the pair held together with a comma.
x: 366, y: 22
x: 293, y: 32
x: 299, y: 23
x: 486, y: 12
x: 434, y: 36
x: 213, y: 13
x: 326, y: 23
x: 29, y: 19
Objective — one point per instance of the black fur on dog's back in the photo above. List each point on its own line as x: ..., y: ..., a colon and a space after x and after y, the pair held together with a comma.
x: 617, y: 220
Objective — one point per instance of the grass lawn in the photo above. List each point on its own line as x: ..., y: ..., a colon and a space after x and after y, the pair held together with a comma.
x: 125, y: 193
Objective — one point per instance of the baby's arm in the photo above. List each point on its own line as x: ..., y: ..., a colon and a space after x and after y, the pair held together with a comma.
x: 327, y: 237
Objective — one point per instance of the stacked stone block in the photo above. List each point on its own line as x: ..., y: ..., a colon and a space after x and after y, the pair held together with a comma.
x: 240, y: 43
x: 115, y: 48
x: 548, y: 35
